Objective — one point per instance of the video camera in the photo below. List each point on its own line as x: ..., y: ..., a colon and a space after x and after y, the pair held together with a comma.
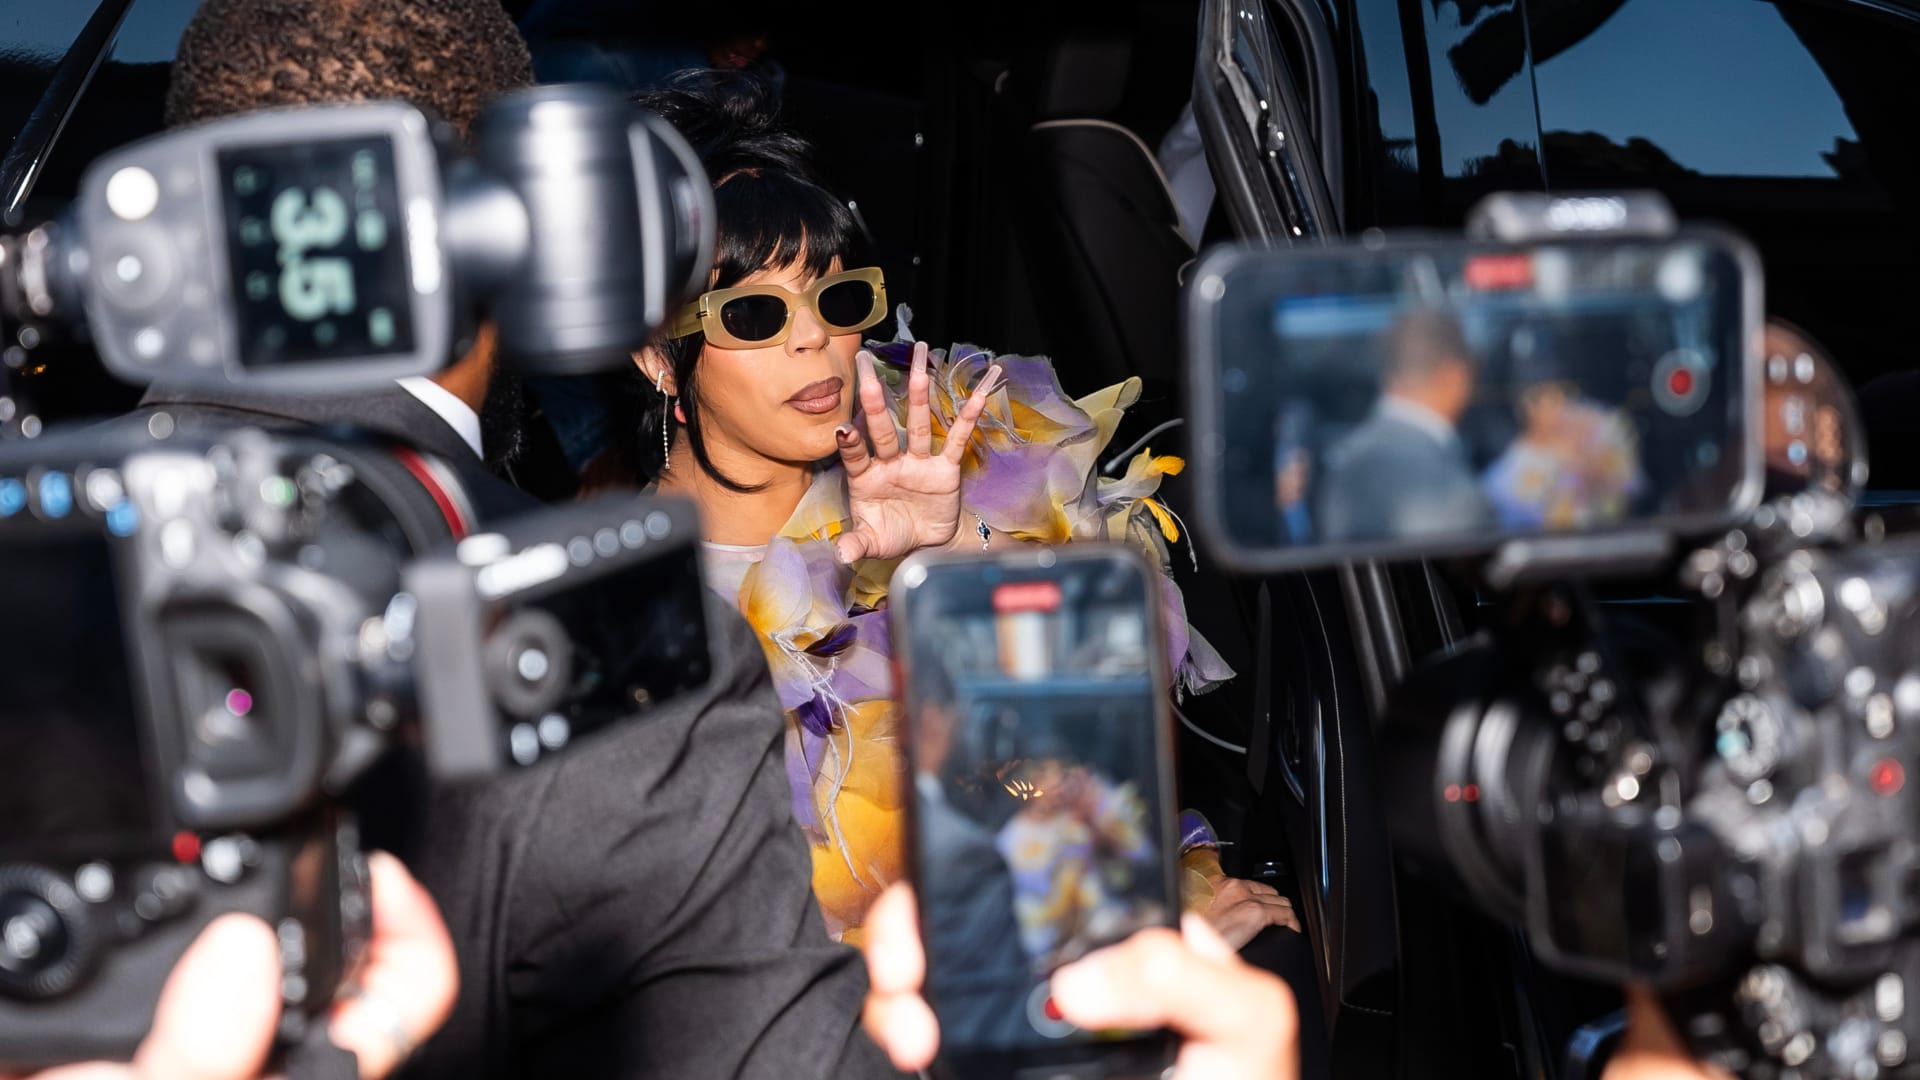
x: 218, y: 630
x: 1576, y: 393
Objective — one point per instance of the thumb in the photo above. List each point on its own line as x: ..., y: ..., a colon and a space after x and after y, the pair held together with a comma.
x: 854, y: 544
x: 217, y: 1015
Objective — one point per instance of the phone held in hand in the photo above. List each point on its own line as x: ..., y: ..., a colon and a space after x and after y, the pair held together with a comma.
x: 1042, y: 824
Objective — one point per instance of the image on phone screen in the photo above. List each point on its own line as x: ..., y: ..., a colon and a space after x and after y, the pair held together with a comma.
x: 1040, y: 798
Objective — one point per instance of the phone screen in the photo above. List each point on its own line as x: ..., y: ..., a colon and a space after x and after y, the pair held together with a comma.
x: 1042, y: 827
x: 1435, y: 398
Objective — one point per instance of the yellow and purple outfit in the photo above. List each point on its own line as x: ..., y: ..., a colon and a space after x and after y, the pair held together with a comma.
x: 1030, y: 474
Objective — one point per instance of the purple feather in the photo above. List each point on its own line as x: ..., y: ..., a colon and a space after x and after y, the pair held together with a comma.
x: 815, y: 715
x: 834, y: 642
x: 894, y: 354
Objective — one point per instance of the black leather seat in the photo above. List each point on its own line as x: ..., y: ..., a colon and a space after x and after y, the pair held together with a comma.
x: 1098, y: 225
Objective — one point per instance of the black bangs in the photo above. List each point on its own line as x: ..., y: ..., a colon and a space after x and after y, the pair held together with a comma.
x: 773, y: 218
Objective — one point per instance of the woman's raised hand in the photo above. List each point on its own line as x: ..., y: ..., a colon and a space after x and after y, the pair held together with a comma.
x: 904, y: 499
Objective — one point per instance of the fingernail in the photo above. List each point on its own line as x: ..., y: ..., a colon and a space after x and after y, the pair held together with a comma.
x: 1082, y: 982
x: 844, y: 433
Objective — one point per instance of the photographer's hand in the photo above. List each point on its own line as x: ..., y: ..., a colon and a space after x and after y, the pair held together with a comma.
x: 217, y: 1015
x: 1238, y: 1023
x: 904, y: 500
x: 1650, y: 1049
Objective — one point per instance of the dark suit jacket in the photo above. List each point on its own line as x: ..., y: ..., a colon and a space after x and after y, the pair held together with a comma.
x: 980, y: 973
x: 1390, y: 479
x: 640, y: 906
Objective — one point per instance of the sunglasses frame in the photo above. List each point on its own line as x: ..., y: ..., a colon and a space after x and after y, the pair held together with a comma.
x: 702, y: 315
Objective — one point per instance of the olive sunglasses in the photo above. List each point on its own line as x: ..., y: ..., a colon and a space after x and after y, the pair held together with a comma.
x: 758, y: 316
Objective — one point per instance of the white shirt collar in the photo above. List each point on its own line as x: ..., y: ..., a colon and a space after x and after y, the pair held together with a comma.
x: 447, y: 406
x: 1412, y: 412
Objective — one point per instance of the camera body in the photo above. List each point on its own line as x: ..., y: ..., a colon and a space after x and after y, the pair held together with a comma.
x: 1707, y: 796
x: 230, y: 629
x: 1727, y: 820
x: 189, y: 686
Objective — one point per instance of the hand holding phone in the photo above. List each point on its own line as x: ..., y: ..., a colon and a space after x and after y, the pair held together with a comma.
x: 1236, y: 1022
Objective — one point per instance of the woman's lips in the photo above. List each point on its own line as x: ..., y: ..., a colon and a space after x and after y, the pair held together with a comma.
x: 818, y: 397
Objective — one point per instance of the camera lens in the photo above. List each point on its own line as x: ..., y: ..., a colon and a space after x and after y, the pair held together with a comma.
x: 1466, y: 767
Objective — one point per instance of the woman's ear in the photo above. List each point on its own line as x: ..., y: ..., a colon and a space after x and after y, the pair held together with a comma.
x: 653, y: 364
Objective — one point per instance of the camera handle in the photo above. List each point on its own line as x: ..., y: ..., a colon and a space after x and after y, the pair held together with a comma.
x: 1528, y: 217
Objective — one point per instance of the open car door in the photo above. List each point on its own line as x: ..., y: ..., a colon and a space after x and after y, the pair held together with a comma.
x: 1320, y: 677
x: 1269, y: 160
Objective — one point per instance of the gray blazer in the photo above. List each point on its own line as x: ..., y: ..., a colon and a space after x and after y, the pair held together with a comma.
x: 1392, y: 479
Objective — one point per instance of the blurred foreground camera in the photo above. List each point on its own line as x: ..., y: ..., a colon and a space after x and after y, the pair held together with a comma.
x: 219, y: 632
x: 1710, y: 797
x: 218, y: 637
x: 327, y: 247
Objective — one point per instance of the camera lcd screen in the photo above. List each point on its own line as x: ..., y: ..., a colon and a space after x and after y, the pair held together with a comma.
x: 639, y: 639
x: 1436, y: 398
x: 72, y: 771
x: 1039, y: 812
x: 317, y: 251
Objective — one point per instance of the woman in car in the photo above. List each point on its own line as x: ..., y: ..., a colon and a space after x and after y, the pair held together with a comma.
x: 746, y: 404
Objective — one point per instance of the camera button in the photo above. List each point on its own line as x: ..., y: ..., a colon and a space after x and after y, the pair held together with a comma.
x: 45, y: 935
x: 1045, y: 1016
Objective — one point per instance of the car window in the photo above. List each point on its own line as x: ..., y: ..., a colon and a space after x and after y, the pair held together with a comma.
x: 33, y: 38
x: 1788, y: 120
x: 125, y: 101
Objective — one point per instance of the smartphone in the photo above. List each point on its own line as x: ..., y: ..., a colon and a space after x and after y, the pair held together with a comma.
x: 1454, y: 394
x: 1034, y: 689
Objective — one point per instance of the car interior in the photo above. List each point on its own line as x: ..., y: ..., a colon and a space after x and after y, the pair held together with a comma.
x: 1003, y: 157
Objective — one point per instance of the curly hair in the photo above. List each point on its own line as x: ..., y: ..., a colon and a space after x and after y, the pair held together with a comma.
x: 447, y: 56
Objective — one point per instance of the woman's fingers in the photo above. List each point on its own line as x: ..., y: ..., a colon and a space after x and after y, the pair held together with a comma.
x: 853, y: 448
x: 856, y: 544
x: 919, y: 412
x: 963, y: 425
x: 873, y: 402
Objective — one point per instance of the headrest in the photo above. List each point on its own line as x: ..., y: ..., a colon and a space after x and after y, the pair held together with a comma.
x: 1083, y: 77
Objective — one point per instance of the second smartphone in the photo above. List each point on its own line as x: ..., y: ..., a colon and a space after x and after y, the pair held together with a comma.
x: 1034, y: 689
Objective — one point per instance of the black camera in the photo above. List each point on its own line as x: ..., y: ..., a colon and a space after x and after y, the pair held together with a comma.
x: 220, y: 633
x: 1710, y: 797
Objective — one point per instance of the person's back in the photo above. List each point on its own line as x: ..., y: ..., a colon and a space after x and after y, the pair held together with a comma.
x: 1390, y: 478
x: 1404, y: 471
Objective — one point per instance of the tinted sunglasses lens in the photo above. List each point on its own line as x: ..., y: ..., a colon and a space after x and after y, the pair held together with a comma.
x: 753, y: 318
x: 846, y: 304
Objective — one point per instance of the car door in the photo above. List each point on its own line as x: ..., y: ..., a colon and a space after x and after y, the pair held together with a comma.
x: 1257, y: 102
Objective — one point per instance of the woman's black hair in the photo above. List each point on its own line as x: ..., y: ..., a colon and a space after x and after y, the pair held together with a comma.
x: 772, y: 210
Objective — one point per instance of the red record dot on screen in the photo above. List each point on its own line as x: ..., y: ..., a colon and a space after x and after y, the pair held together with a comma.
x: 1887, y: 777
x: 1052, y: 1011
x: 1680, y: 383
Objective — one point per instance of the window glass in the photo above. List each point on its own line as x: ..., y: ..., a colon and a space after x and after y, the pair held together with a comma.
x: 33, y: 38
x: 1790, y: 121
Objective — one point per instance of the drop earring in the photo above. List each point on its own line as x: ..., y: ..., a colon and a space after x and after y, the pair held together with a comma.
x: 666, y: 420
